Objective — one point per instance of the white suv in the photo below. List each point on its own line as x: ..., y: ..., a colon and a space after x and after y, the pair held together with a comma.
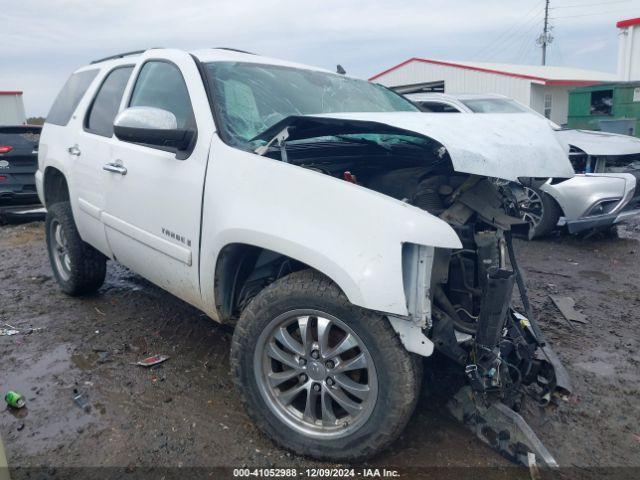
x: 342, y: 231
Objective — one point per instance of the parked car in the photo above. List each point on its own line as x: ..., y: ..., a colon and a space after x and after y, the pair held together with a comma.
x: 604, y: 194
x: 18, y: 165
x: 343, y: 232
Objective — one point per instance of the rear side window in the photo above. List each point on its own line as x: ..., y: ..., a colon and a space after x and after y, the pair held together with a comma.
x: 105, y: 105
x: 160, y: 85
x: 70, y: 96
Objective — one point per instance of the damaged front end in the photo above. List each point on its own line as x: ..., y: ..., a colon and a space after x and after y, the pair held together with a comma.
x: 459, y: 301
x: 503, y: 353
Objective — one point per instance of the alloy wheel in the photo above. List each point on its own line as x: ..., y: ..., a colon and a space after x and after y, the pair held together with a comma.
x: 60, y: 250
x: 536, y: 208
x: 315, y: 373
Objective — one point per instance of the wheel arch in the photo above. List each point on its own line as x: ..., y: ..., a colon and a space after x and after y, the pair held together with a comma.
x: 243, y: 270
x: 553, y: 194
x: 55, y: 187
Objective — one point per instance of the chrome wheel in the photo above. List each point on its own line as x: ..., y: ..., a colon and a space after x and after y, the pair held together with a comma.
x: 60, y: 250
x: 536, y: 208
x: 315, y: 374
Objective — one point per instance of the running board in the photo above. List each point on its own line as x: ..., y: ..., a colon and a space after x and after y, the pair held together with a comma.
x: 501, y: 428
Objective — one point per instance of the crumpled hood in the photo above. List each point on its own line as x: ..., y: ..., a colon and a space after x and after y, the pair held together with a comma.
x: 600, y: 143
x: 507, y: 146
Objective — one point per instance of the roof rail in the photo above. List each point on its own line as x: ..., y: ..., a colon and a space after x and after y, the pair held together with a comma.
x: 120, y: 55
x: 234, y: 50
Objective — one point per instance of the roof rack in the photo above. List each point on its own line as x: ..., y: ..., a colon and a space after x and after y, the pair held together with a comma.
x: 234, y: 50
x: 120, y: 55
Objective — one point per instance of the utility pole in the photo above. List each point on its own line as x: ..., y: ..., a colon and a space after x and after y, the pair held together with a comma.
x: 545, y: 38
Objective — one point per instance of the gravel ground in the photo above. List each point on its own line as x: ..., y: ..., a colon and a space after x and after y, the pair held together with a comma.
x: 186, y: 413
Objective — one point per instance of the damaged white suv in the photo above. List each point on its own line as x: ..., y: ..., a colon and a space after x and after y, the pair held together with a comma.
x: 342, y: 231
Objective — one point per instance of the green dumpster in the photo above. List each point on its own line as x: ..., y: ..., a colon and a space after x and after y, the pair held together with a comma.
x: 609, y: 107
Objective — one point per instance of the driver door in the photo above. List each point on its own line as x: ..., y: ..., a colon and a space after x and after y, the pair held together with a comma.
x: 154, y: 194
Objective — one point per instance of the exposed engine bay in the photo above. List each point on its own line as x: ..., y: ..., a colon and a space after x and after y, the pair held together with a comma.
x: 503, y: 353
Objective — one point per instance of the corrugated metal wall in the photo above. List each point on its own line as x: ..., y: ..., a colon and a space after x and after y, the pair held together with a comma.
x: 459, y: 80
x: 11, y: 110
x: 629, y: 53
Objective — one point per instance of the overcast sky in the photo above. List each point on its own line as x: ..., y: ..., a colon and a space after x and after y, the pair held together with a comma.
x: 42, y: 42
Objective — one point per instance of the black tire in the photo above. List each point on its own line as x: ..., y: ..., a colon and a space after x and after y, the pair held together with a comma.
x: 85, y: 268
x: 398, y: 372
x: 551, y: 213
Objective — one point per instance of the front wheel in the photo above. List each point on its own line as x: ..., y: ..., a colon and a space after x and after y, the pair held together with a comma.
x: 543, y: 213
x: 321, y: 377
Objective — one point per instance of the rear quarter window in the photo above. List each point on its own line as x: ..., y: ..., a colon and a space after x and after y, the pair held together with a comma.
x: 106, y: 103
x: 70, y: 96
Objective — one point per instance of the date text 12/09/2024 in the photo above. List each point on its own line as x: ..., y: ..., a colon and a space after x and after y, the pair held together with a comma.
x: 315, y: 473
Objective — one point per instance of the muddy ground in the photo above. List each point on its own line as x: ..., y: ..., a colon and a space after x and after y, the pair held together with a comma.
x: 186, y: 412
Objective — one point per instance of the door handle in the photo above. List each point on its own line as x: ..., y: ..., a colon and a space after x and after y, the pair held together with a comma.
x: 114, y: 168
x: 74, y: 150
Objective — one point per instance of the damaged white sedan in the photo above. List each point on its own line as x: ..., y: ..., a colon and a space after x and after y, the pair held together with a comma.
x: 343, y: 232
x: 605, y: 190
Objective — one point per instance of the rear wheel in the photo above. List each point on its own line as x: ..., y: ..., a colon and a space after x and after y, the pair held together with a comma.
x: 77, y: 266
x: 543, y: 214
x: 321, y: 377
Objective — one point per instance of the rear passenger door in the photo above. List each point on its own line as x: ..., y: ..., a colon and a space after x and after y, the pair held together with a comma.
x: 94, y: 147
x: 153, y: 211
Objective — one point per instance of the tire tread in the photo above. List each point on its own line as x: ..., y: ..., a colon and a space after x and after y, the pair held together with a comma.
x: 407, y: 367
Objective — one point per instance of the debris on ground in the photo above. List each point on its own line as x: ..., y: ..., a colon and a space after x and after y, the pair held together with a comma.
x: 14, y: 399
x: 8, y: 330
x: 566, y: 305
x: 81, y: 400
x: 34, y: 330
x: 153, y: 360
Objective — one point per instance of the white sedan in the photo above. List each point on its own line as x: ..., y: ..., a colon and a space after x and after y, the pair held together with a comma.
x: 601, y: 194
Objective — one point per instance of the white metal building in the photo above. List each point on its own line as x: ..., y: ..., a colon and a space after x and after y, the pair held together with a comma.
x: 629, y: 49
x: 11, y: 108
x: 543, y: 88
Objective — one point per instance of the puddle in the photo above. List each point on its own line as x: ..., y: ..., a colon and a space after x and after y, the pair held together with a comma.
x: 49, y: 416
x: 85, y: 362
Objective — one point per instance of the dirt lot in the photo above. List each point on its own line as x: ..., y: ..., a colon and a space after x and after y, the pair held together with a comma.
x: 186, y: 412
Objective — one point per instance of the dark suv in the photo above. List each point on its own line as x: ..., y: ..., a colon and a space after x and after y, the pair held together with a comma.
x: 18, y: 164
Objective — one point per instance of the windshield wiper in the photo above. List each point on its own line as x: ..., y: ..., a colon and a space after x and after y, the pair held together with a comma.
x: 280, y: 139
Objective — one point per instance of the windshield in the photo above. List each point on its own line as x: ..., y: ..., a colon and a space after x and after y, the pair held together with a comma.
x: 252, y: 97
x: 502, y: 105
x: 495, y: 105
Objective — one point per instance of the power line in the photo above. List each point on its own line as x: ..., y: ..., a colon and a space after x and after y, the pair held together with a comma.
x: 581, y: 5
x: 521, y: 51
x: 522, y: 48
x: 506, y: 42
x: 529, y: 25
x: 589, y: 14
x: 505, y: 34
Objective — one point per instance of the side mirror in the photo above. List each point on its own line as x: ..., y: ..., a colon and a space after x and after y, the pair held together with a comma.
x: 151, y: 126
